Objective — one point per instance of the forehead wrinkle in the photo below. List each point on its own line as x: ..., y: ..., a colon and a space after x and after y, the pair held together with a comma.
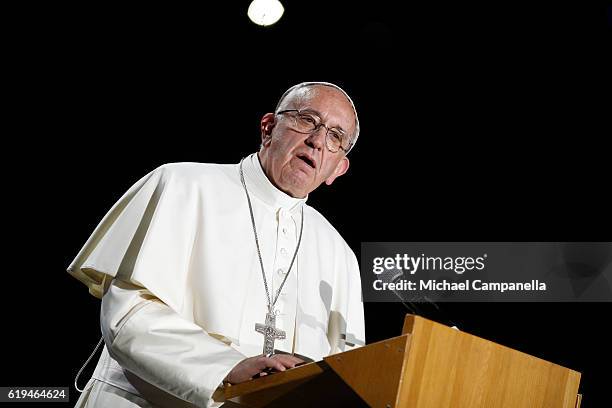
x: 318, y: 90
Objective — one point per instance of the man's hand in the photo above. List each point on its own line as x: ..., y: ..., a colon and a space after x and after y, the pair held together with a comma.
x: 249, y: 367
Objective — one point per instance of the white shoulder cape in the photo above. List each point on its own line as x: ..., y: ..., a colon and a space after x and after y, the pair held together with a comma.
x: 183, y: 232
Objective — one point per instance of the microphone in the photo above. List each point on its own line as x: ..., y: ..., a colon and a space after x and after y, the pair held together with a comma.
x: 417, y: 304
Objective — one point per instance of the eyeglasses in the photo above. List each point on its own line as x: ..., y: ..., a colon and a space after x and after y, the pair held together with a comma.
x: 309, y: 122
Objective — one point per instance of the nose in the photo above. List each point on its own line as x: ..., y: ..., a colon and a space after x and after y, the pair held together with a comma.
x: 316, y: 139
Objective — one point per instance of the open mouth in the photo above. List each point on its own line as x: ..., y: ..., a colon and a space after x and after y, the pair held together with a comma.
x: 307, y: 159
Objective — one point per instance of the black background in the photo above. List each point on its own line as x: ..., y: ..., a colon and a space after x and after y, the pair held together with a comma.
x: 480, y: 122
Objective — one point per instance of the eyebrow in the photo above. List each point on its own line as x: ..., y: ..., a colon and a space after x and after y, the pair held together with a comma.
x: 340, y: 128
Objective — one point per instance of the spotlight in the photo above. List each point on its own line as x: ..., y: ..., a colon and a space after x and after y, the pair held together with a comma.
x: 265, y: 12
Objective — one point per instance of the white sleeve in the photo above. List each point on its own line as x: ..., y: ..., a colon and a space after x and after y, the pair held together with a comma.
x: 346, y: 327
x: 149, y: 339
x: 354, y: 334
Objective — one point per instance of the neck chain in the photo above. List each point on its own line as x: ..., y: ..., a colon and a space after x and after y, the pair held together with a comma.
x: 268, y: 329
x: 271, y: 303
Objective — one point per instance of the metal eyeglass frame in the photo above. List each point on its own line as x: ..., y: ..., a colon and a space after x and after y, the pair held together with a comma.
x: 317, y: 127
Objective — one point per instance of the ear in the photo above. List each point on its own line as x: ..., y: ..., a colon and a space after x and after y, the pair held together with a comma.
x: 266, y: 125
x: 341, y: 168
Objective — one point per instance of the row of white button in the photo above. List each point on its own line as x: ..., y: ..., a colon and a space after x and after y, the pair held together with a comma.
x: 284, y: 218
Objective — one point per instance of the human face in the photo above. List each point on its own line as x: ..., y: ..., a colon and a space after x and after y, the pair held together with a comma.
x: 298, y: 163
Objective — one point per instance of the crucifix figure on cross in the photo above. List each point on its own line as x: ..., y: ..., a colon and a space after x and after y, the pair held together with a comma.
x: 270, y: 333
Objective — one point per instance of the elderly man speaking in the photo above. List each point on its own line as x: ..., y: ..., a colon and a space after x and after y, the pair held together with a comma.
x: 212, y: 274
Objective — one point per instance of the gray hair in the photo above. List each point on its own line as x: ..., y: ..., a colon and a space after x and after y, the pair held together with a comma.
x: 312, y: 84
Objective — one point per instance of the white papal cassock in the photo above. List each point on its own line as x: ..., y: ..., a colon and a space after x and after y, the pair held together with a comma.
x: 176, y: 261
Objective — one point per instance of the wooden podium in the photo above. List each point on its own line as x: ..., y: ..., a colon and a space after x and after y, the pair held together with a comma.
x: 429, y: 366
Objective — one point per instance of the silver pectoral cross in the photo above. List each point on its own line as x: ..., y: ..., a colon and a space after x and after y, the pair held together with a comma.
x: 270, y: 333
